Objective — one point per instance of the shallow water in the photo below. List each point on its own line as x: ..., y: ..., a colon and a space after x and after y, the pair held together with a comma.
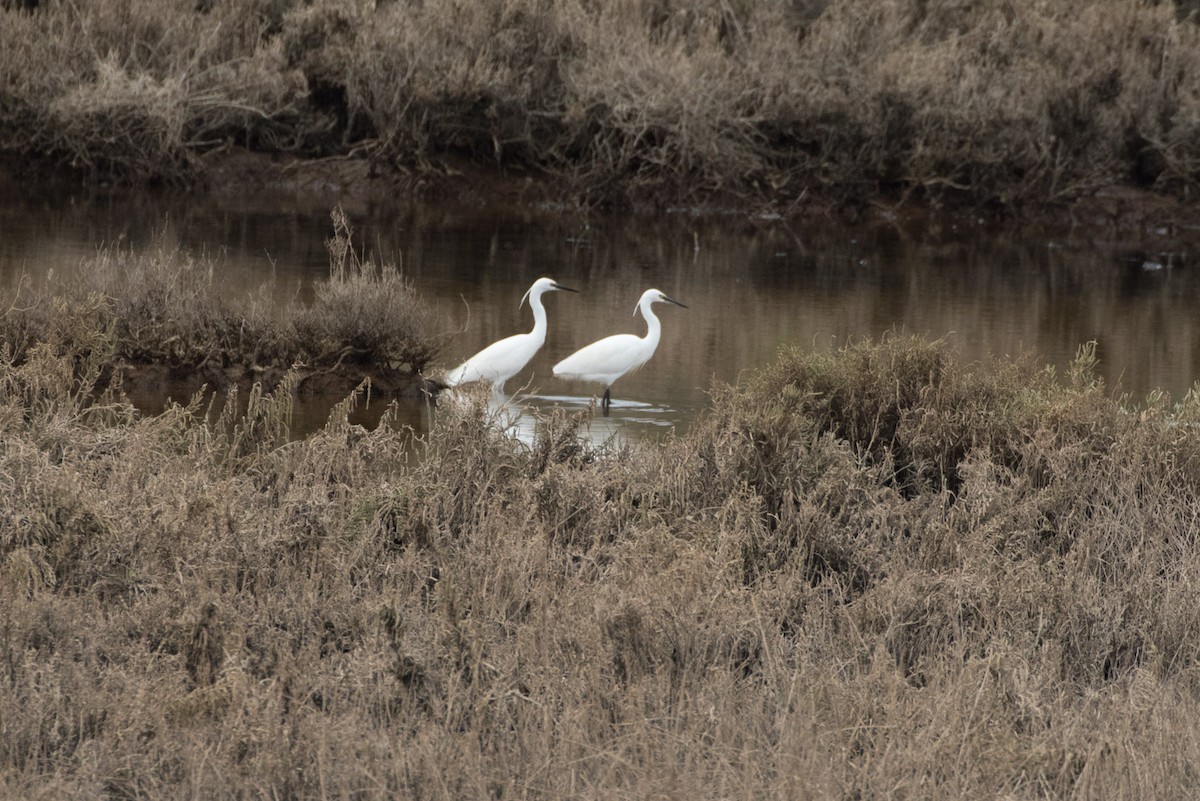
x: 753, y: 285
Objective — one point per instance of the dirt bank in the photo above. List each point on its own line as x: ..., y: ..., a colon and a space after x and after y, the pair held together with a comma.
x: 1118, y: 214
x: 161, y: 381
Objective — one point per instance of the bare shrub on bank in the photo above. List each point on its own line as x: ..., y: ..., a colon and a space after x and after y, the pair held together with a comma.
x: 789, y: 601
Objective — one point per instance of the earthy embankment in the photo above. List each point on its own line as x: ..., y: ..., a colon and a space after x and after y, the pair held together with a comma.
x: 1007, y: 106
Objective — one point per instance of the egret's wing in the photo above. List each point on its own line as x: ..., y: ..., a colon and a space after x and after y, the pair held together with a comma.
x: 499, y: 359
x: 610, y: 356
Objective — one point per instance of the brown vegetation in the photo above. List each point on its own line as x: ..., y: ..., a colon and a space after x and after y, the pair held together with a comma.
x: 1007, y: 102
x: 875, y: 573
x: 157, y: 315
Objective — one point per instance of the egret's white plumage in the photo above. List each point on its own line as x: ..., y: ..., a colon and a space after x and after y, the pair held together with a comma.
x: 608, y: 359
x: 501, y: 360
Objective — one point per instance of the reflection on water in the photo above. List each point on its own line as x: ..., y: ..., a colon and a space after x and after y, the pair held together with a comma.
x: 519, y: 415
x: 753, y: 286
x: 625, y: 419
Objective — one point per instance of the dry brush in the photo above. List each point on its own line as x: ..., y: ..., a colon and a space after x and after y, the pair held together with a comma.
x: 1002, y: 102
x: 879, y: 572
x: 162, y: 312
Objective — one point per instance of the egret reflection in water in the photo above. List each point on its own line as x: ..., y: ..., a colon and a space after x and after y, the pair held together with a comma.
x: 520, y: 415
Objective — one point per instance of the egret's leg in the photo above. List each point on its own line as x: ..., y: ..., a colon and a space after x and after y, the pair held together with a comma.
x: 606, y: 401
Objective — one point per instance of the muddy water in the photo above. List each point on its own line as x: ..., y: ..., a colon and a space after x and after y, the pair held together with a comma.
x: 753, y: 285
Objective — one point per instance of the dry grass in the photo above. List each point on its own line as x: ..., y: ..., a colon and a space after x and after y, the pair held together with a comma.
x: 134, y: 90
x: 365, y: 313
x: 877, y: 573
x: 162, y: 310
x: 1008, y: 102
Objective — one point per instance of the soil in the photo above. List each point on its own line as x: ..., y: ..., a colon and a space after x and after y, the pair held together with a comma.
x: 1124, y: 215
x: 1121, y: 214
x: 180, y: 384
x: 356, y: 182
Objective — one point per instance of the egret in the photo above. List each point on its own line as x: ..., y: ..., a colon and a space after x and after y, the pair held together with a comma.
x: 608, y: 359
x: 501, y: 360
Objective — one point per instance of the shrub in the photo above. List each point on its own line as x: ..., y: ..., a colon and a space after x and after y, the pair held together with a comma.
x: 364, y: 313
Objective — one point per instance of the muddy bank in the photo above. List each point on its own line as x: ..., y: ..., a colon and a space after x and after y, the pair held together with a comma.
x: 1118, y: 214
x: 180, y: 384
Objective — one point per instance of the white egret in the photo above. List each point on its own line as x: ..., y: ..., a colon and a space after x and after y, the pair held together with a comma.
x: 501, y: 360
x: 608, y: 359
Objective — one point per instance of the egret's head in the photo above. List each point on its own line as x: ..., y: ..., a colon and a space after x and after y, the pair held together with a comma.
x: 652, y: 296
x: 541, y: 286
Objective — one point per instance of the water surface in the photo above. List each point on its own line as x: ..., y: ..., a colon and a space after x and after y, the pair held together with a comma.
x: 753, y: 285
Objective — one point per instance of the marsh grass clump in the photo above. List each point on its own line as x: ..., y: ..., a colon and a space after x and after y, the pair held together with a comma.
x: 167, y: 310
x: 159, y: 312
x: 136, y: 91
x: 160, y: 307
x: 871, y: 572
x: 907, y: 404
x: 365, y: 313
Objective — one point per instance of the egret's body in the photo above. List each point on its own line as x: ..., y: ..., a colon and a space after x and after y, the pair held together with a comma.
x: 606, y: 360
x: 501, y: 360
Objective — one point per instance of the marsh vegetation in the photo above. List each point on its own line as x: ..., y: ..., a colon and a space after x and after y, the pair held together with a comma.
x: 875, y: 572
x: 1002, y: 102
x: 164, y: 319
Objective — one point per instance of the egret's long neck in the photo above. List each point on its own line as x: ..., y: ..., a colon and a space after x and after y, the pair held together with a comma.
x: 653, y: 326
x: 539, y: 317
